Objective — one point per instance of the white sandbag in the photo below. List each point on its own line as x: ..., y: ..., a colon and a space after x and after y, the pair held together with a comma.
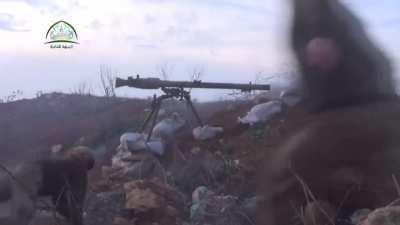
x: 155, y: 147
x: 206, y: 132
x: 133, y: 141
x: 262, y: 112
x: 166, y: 128
x: 290, y: 97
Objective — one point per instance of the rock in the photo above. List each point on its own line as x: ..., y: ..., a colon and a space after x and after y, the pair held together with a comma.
x: 383, y: 216
x: 206, y: 132
x: 166, y: 128
x: 217, y: 210
x: 118, y: 160
x: 141, y: 199
x: 135, y: 166
x: 153, y: 195
x: 319, y: 213
x: 201, y: 169
x: 104, y: 207
x: 262, y: 112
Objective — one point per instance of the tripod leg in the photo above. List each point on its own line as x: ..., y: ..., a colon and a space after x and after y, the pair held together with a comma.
x: 146, y: 121
x: 157, y: 109
x: 189, y: 102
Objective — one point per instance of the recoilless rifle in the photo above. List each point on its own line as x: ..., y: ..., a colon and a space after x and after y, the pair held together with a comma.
x: 176, y: 89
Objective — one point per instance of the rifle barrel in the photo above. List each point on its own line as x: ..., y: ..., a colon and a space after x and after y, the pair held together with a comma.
x: 155, y: 83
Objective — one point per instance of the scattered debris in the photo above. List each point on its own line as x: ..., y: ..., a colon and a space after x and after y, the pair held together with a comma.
x: 262, y: 112
x: 206, y: 132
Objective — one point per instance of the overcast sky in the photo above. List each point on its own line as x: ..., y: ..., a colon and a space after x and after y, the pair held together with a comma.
x: 231, y: 40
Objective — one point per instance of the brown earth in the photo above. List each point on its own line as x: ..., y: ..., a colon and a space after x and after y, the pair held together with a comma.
x: 30, y: 127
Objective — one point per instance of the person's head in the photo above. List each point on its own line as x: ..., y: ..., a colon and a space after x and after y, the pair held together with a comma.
x: 339, y: 63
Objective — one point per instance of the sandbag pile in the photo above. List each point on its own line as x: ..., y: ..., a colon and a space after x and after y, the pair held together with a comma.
x: 134, y: 142
x: 262, y: 113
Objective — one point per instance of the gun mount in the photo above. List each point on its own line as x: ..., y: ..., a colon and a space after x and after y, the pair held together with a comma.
x: 176, y: 89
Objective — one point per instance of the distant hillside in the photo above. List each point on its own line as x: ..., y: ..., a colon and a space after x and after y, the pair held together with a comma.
x: 29, y: 127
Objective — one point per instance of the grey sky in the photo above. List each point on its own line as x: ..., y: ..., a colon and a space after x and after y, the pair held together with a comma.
x: 231, y: 39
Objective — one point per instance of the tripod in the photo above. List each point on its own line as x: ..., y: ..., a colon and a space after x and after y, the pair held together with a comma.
x: 178, y: 93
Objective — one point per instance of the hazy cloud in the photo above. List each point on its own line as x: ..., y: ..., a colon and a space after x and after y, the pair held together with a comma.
x: 8, y: 23
x: 232, y: 38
